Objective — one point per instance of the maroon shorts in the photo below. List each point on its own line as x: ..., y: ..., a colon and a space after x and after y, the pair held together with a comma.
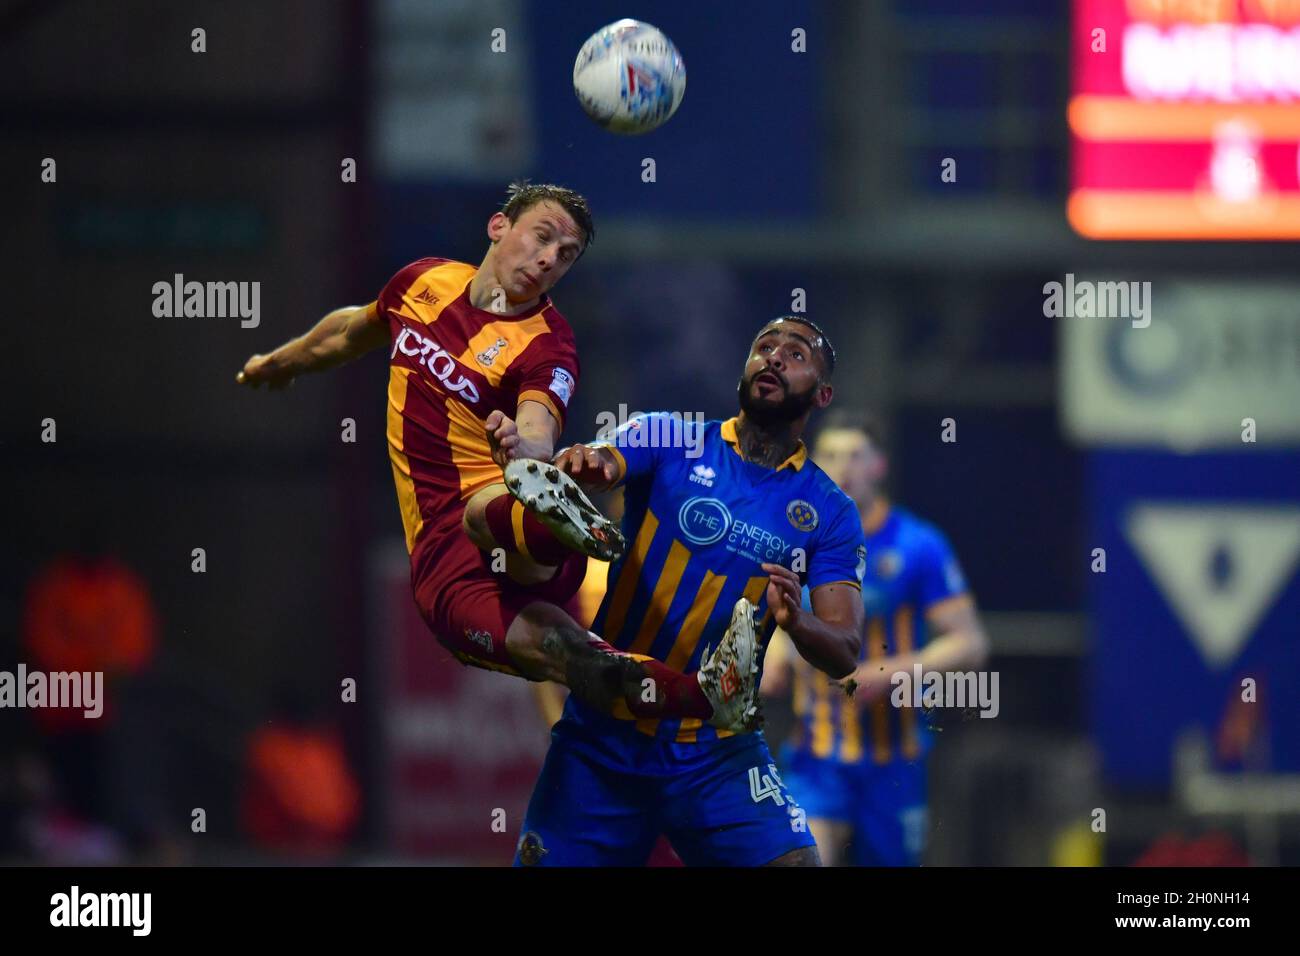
x: 469, y: 607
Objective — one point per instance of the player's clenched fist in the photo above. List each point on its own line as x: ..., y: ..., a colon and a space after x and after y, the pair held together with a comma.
x: 503, y: 437
x: 784, y: 595
x: 265, y: 370
x: 594, y: 468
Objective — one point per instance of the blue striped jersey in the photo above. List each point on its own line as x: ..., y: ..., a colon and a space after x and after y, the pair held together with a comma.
x: 699, y: 521
x: 911, y: 571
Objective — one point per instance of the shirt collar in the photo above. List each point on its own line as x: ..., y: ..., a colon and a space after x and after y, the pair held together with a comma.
x: 795, y: 461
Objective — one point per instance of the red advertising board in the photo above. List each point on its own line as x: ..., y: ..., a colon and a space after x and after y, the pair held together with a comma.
x: 1185, y: 117
x: 462, y: 746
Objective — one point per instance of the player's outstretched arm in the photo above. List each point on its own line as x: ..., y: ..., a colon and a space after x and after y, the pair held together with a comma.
x: 958, y: 640
x: 957, y: 643
x: 829, y: 637
x: 343, y: 335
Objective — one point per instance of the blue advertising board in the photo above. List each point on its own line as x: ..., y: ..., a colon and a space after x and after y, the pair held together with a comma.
x: 1200, y: 593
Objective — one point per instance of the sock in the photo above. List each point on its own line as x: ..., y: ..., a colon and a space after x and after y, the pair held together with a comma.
x: 517, y: 529
x: 675, y: 694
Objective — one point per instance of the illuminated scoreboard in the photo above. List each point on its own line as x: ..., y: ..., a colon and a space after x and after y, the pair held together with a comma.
x: 1185, y: 117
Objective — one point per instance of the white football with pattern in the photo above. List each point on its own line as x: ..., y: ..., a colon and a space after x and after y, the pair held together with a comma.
x: 629, y: 77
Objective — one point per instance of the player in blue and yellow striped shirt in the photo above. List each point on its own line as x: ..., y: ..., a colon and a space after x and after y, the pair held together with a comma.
x: 858, y: 764
x: 713, y: 513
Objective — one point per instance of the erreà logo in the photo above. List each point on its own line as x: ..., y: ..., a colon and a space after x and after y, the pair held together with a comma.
x: 704, y: 475
x: 1220, y: 567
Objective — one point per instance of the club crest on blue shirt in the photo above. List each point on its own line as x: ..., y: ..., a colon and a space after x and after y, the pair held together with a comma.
x: 889, y: 564
x: 801, y: 514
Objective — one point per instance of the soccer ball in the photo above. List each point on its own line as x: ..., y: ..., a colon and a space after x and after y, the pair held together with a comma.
x: 629, y: 77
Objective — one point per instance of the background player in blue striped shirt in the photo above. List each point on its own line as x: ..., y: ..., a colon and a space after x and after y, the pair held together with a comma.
x: 857, y: 765
x: 748, y: 519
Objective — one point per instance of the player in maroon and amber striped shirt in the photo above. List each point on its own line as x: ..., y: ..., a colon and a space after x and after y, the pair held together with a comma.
x: 469, y: 348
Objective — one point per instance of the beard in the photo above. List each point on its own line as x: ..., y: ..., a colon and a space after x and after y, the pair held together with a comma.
x: 764, y: 412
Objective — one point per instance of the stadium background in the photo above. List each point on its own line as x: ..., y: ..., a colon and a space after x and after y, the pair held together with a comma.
x: 817, y: 171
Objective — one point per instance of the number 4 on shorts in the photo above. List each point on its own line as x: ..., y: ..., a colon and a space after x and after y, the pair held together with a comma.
x: 761, y: 786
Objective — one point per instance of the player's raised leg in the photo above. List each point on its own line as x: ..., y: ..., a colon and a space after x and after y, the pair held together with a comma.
x: 540, y: 515
x: 488, y: 621
x: 537, y: 514
x: 494, y: 520
x: 545, y: 643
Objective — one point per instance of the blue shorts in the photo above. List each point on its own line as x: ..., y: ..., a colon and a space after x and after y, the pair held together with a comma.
x: 603, y: 800
x: 884, y: 805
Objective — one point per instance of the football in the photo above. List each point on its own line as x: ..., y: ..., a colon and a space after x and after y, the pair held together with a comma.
x: 629, y: 77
